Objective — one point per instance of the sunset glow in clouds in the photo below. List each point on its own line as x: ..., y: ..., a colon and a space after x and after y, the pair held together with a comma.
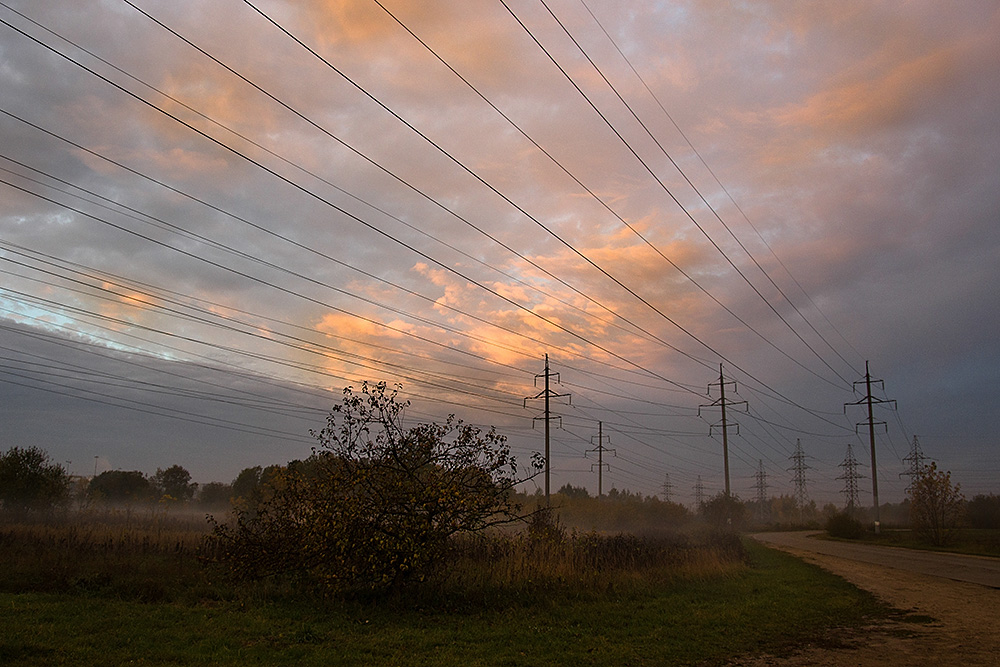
x: 234, y: 209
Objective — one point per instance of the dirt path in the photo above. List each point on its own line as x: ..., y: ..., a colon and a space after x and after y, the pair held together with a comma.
x: 950, y: 622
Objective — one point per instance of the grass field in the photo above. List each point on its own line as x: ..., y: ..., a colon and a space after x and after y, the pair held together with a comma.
x: 155, y: 604
x: 974, y: 542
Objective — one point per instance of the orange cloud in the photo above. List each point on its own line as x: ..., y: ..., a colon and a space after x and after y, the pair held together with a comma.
x: 879, y: 99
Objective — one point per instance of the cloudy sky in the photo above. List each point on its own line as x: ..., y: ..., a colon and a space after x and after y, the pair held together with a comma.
x: 216, y: 215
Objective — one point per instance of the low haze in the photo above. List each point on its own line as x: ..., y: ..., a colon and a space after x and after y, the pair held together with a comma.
x: 214, y: 216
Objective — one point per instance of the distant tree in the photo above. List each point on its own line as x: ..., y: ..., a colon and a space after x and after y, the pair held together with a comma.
x: 726, y: 512
x: 174, y: 483
x: 256, y: 484
x: 983, y: 511
x: 120, y: 486
x: 571, y: 491
x: 936, y: 505
x: 375, y: 505
x: 215, y: 495
x: 247, y: 482
x: 30, y: 480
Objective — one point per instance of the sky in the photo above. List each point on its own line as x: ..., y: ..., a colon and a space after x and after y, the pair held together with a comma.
x: 215, y: 216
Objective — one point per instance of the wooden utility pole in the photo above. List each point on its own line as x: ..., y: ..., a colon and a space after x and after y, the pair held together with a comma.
x: 547, y: 394
x: 723, y: 404
x: 870, y: 401
x: 600, y: 449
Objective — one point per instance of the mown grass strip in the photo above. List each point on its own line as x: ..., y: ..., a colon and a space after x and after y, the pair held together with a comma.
x: 772, y: 606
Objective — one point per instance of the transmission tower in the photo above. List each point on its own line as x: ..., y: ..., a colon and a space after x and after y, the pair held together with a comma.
x: 722, y: 403
x: 546, y: 395
x: 668, y: 488
x: 600, y: 449
x: 916, y: 460
x: 799, y: 467
x: 763, y: 509
x: 850, y: 477
x: 699, y: 494
x: 871, y: 401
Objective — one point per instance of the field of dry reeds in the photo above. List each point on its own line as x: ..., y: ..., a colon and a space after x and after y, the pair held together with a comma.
x: 159, y: 553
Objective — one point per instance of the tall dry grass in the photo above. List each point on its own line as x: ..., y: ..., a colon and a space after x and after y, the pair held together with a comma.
x: 546, y: 556
x: 156, y: 554
x: 138, y: 553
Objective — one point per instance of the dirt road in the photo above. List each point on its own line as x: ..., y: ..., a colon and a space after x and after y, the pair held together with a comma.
x: 953, y: 604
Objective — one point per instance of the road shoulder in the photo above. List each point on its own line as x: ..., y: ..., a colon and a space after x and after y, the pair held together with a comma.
x: 943, y: 622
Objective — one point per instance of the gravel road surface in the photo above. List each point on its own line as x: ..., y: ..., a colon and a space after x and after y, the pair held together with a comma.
x: 952, y: 603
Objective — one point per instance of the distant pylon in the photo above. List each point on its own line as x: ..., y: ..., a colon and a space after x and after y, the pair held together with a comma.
x: 916, y: 461
x: 850, y: 477
x: 699, y: 494
x: 763, y: 512
x: 799, y: 467
x: 667, y: 488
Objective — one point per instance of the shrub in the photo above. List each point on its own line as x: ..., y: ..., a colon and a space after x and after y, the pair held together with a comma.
x: 375, y: 505
x: 844, y: 525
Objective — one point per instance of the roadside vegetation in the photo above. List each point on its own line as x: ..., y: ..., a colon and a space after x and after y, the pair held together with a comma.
x: 938, y: 517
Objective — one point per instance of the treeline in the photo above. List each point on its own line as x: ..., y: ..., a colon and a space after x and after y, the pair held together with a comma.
x: 31, y: 481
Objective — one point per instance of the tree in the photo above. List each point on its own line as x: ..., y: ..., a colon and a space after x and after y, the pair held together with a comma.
x: 571, y: 491
x: 375, y: 505
x: 935, y: 505
x: 174, y: 483
x: 120, y: 486
x: 254, y: 484
x: 725, y: 511
x: 215, y: 494
x: 30, y: 480
x: 983, y: 511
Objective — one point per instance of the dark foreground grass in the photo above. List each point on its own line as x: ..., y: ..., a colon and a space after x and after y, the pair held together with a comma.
x: 772, y: 606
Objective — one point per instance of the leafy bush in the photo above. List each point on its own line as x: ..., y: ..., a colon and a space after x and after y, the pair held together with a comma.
x: 844, y: 525
x: 375, y: 505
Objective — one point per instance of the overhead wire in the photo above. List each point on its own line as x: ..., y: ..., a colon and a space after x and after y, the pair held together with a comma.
x: 352, y: 216
x: 667, y: 190
x: 500, y: 194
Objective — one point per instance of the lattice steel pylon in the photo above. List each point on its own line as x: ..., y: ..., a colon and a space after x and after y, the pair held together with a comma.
x: 850, y: 477
x: 799, y: 467
x: 763, y: 507
x: 699, y: 494
x: 916, y: 460
x: 668, y: 488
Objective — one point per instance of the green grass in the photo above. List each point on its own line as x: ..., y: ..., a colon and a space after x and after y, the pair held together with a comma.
x: 969, y: 541
x: 772, y: 605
